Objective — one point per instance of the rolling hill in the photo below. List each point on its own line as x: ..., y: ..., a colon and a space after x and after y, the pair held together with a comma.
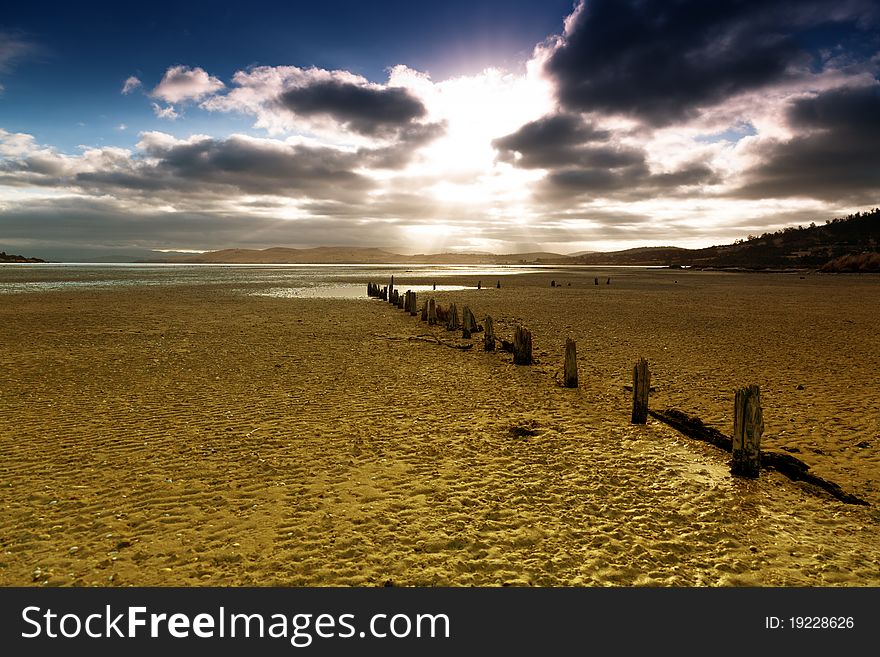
x: 812, y: 246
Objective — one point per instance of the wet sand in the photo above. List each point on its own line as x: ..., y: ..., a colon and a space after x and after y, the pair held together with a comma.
x: 195, y: 435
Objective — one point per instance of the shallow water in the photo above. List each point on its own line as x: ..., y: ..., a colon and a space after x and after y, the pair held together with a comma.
x: 326, y: 281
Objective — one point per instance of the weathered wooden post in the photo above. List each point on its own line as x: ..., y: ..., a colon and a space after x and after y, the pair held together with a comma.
x: 391, y: 285
x: 571, y: 366
x: 489, y: 335
x: 384, y: 293
x: 424, y: 316
x: 748, y: 425
x: 641, y: 386
x: 522, y: 346
x: 479, y: 284
x: 452, y: 319
x: 400, y: 299
x: 468, y: 323
x: 432, y: 312
x: 413, y: 304
x: 596, y: 280
x: 498, y: 285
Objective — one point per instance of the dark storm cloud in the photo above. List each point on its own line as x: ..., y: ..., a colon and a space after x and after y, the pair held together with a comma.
x: 408, y: 140
x: 208, y: 167
x: 255, y: 168
x: 223, y: 168
x: 560, y: 140
x: 661, y: 60
x: 371, y: 111
x: 584, y: 161
x: 835, y: 153
x: 627, y: 183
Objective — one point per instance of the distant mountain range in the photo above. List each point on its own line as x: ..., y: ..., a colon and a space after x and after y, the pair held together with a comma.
x: 794, y: 247
x: 849, y: 243
x: 359, y: 255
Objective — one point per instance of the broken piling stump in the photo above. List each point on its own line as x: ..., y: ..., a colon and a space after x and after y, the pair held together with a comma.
x: 432, y: 312
x: 489, y: 335
x: 424, y: 316
x: 748, y: 425
x: 522, y: 346
x: 641, y: 386
x: 452, y: 318
x: 468, y: 323
x: 571, y: 368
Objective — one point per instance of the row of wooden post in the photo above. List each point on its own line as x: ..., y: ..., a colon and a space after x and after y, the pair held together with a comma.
x: 432, y: 313
x: 748, y: 423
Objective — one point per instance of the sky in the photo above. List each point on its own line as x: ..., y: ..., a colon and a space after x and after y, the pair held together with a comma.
x: 461, y: 126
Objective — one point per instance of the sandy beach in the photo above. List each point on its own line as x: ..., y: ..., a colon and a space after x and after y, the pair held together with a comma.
x: 196, y: 435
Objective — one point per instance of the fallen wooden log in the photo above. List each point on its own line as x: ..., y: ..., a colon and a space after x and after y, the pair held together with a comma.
x: 785, y: 464
x: 692, y: 427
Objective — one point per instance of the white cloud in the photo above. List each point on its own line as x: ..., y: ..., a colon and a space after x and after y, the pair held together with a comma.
x: 182, y: 83
x: 165, y: 112
x: 131, y: 83
x: 16, y: 144
x: 257, y: 92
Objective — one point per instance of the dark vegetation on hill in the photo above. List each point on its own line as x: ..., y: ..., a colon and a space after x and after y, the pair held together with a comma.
x: 861, y: 263
x: 849, y: 239
x: 8, y: 257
